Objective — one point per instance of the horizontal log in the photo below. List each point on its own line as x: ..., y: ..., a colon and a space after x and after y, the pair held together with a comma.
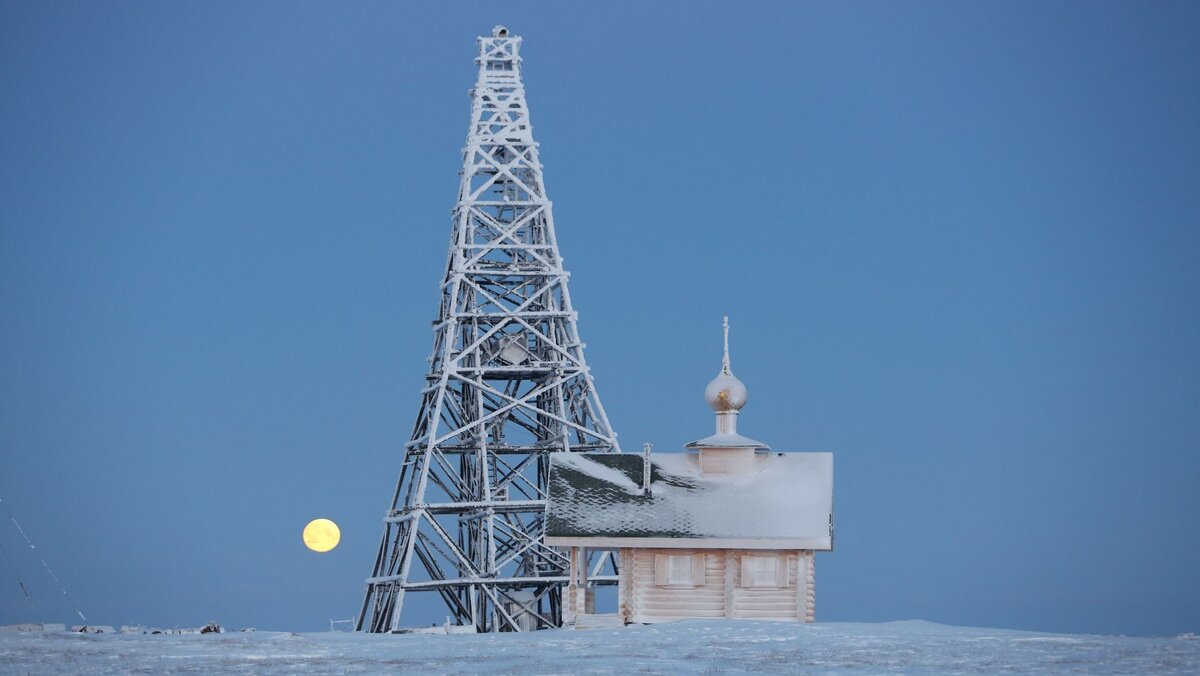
x: 648, y: 618
x: 681, y: 605
x: 778, y: 618
x: 788, y: 595
x: 767, y: 607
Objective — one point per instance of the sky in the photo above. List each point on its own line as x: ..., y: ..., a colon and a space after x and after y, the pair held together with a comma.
x: 957, y: 243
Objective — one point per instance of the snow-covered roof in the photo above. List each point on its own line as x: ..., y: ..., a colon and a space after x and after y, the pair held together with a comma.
x: 785, y: 502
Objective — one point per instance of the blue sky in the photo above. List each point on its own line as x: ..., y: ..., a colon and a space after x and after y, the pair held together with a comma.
x: 957, y: 243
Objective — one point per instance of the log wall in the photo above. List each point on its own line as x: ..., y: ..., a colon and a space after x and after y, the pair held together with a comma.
x: 641, y: 600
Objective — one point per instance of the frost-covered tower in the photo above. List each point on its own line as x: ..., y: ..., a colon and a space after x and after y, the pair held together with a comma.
x: 507, y: 385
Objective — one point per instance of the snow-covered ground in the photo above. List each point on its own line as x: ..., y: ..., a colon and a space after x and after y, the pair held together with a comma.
x: 693, y: 646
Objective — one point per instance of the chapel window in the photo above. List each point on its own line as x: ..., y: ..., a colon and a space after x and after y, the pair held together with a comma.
x: 678, y: 570
x: 764, y: 571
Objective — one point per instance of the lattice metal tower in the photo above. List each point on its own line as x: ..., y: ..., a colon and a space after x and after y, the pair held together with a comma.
x: 507, y: 385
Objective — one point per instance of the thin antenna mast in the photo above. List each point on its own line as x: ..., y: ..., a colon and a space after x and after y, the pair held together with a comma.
x: 44, y: 564
x: 20, y: 582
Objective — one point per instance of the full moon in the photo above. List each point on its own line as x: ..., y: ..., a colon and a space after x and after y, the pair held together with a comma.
x: 321, y: 535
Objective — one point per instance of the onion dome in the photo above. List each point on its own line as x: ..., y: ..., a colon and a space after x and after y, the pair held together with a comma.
x: 725, y: 392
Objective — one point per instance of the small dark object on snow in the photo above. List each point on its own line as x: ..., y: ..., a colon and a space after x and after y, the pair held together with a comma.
x: 211, y: 628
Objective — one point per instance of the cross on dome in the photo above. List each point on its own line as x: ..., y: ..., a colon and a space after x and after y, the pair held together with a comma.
x: 725, y: 359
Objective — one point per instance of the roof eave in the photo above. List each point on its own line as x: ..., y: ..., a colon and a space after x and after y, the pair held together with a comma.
x: 605, y: 542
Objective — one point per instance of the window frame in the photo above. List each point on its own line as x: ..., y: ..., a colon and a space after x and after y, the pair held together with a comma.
x: 752, y: 577
x: 669, y: 567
